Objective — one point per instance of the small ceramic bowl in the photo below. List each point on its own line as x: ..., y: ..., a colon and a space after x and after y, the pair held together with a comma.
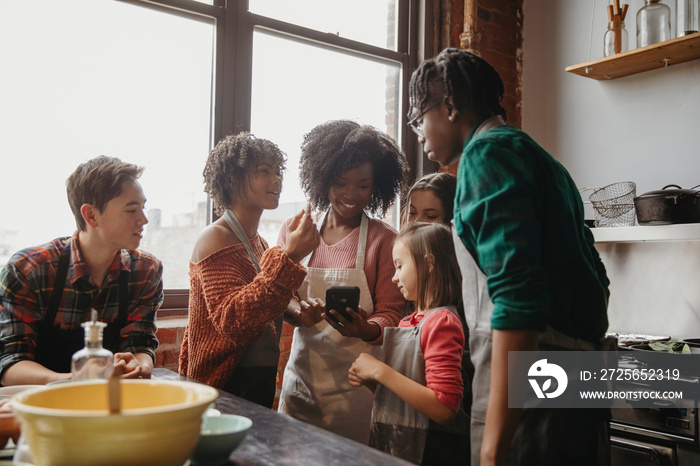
x: 12, y: 390
x: 9, y: 425
x: 220, y: 435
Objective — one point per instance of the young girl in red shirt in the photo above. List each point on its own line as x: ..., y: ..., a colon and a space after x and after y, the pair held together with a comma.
x: 419, y: 383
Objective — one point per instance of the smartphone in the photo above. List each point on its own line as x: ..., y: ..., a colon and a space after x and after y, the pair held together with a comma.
x: 340, y: 297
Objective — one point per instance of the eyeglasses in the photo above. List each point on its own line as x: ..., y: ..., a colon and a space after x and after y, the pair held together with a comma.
x: 416, y: 123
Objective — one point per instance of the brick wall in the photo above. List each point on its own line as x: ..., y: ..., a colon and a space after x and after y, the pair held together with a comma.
x: 496, y: 35
x: 493, y: 30
x: 170, y: 333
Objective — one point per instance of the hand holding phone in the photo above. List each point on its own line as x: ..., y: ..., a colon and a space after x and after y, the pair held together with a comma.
x: 340, y: 297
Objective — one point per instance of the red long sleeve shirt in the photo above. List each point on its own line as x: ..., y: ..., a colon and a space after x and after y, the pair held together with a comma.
x: 442, y: 342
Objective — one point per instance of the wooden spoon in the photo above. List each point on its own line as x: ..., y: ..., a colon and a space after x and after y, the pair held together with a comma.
x: 115, y: 394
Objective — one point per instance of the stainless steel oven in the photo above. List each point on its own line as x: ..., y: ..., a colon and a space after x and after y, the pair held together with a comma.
x: 662, y: 435
x: 633, y: 452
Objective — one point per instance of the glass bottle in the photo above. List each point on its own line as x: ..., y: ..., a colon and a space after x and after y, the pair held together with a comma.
x: 653, y: 23
x: 93, y: 361
x: 616, y: 39
x: 687, y: 17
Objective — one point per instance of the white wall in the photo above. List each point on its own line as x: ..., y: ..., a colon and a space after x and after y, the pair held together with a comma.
x: 641, y: 128
x: 654, y: 287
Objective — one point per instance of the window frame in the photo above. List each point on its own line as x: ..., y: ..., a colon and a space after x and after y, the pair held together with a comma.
x: 233, y: 50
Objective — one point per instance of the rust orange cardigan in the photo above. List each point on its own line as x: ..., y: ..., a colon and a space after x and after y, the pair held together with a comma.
x: 231, y: 305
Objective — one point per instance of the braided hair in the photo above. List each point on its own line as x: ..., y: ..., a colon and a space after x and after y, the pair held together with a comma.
x: 334, y: 147
x: 230, y: 163
x: 469, y: 80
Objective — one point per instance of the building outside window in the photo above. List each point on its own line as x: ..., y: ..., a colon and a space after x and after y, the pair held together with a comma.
x: 158, y: 82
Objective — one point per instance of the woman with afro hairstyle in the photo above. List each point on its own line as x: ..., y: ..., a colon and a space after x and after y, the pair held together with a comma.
x: 531, y: 277
x: 348, y: 172
x: 239, y: 289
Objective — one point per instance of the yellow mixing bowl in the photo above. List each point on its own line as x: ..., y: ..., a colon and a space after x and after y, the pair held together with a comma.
x: 70, y: 424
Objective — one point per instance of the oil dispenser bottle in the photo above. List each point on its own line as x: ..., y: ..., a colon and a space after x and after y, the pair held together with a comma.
x: 93, y: 361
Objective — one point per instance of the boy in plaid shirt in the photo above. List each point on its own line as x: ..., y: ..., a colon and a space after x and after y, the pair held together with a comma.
x: 47, y: 291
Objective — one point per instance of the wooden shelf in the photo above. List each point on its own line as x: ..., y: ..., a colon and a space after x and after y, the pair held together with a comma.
x: 651, y: 57
x: 678, y: 232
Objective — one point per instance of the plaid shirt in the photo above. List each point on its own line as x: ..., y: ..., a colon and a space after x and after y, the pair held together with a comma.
x: 27, y: 282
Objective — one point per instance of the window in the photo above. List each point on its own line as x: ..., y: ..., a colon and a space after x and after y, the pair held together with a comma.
x: 369, y: 21
x: 158, y: 82
x: 74, y: 85
x: 318, y: 60
x: 298, y: 85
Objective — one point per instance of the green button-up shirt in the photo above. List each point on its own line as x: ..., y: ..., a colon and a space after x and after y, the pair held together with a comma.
x: 520, y: 215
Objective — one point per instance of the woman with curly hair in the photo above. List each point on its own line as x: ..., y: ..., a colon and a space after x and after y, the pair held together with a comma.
x: 239, y: 289
x: 348, y: 172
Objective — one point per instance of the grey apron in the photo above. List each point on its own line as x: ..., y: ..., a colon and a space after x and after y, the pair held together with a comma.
x: 559, y: 436
x: 399, y: 429
x: 254, y: 378
x: 543, y: 436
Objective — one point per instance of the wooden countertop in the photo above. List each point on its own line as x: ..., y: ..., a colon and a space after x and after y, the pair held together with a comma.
x: 278, y: 439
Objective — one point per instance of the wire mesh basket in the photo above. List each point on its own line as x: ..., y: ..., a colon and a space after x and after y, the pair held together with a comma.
x: 613, y: 204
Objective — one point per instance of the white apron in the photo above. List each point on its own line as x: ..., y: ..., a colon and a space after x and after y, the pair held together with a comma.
x: 315, y: 388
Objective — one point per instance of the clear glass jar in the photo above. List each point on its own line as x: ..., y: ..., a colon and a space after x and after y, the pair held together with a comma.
x: 653, y: 23
x: 687, y: 17
x: 616, y: 38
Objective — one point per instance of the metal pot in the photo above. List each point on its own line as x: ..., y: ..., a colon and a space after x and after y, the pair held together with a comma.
x: 667, y: 206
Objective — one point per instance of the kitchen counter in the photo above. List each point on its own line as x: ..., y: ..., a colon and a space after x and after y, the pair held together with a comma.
x: 278, y: 439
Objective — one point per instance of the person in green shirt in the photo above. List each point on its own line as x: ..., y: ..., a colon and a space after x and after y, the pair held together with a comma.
x: 532, y: 278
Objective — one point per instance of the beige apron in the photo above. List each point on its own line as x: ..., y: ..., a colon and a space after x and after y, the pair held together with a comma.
x: 478, y: 308
x: 315, y: 388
